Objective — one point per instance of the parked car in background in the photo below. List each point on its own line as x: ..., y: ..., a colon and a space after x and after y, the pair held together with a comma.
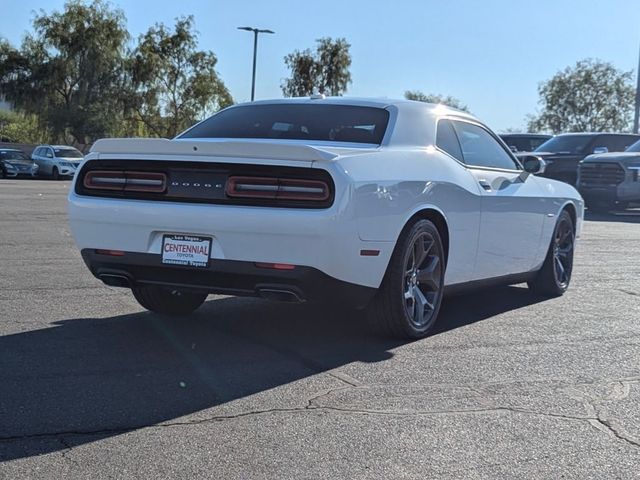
x: 524, y: 142
x: 7, y: 170
x: 57, y: 161
x: 609, y: 181
x: 15, y: 163
x: 378, y: 204
x: 562, y: 153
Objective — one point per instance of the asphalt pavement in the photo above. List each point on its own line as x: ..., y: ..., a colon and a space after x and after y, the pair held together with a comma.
x: 510, y: 385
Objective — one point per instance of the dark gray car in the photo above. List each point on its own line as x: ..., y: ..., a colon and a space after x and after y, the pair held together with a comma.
x: 563, y: 152
x: 610, y: 181
x: 16, y: 163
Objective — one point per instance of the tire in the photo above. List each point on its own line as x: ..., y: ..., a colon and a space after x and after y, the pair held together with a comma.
x: 408, y: 300
x: 168, y: 301
x: 2, y: 174
x: 55, y: 174
x: 554, y: 277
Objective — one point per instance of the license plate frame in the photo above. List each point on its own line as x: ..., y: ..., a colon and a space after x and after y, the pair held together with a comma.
x: 186, y: 250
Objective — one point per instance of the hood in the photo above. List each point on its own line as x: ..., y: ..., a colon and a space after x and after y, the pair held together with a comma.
x: 614, y: 157
x: 556, y: 154
x: 548, y: 154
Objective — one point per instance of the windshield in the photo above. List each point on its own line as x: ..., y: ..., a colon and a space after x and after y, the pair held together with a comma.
x: 67, y: 153
x: 12, y: 155
x: 634, y: 147
x: 565, y: 144
x: 336, y: 123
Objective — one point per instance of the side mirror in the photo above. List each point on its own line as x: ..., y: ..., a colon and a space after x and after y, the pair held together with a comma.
x: 597, y: 150
x: 533, y: 164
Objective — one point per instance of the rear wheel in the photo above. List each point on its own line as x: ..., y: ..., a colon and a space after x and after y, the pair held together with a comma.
x: 554, y: 276
x: 168, y: 301
x: 408, y: 301
x: 55, y: 174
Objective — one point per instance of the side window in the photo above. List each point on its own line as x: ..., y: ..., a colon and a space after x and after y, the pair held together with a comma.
x: 447, y: 140
x: 610, y: 142
x: 624, y: 142
x: 37, y: 151
x: 479, y: 148
x: 48, y: 153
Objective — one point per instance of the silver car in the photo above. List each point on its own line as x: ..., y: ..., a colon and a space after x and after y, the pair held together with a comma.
x: 57, y: 161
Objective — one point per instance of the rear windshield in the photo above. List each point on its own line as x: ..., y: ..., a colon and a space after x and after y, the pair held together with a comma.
x: 634, y: 148
x: 67, y: 153
x: 335, y: 123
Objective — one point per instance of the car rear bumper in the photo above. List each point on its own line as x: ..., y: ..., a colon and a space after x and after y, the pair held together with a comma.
x: 326, y: 240
x: 227, y: 277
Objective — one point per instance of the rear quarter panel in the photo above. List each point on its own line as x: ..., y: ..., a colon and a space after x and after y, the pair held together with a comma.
x: 392, y: 185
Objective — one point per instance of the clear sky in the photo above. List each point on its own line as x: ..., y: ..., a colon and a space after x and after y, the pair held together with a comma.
x: 492, y: 54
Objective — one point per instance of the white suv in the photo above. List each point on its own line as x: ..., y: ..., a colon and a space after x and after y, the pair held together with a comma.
x: 57, y: 160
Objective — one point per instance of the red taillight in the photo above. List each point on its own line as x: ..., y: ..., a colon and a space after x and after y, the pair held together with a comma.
x: 111, y: 253
x: 275, y: 266
x: 277, y: 188
x: 153, y: 182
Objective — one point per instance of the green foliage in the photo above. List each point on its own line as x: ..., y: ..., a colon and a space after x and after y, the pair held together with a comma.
x: 75, y: 74
x: 67, y: 72
x: 171, y: 83
x: 434, y: 98
x: 18, y: 128
x: 592, y: 96
x: 324, y: 71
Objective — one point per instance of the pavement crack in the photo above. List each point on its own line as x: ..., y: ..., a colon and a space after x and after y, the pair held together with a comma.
x: 628, y: 292
x: 615, y: 432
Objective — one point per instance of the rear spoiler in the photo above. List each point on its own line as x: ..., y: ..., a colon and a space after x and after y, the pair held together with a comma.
x: 222, y: 148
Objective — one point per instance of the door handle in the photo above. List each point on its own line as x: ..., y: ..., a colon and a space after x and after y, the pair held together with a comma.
x: 485, y: 184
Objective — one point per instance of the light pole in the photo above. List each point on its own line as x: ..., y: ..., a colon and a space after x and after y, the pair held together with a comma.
x: 636, y: 117
x: 255, y: 31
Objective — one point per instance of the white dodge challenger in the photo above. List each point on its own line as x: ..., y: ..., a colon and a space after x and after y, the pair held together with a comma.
x: 377, y: 204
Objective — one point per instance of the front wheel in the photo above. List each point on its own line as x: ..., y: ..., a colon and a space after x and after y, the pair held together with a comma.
x: 553, y: 278
x: 55, y: 174
x: 408, y: 300
x: 168, y: 301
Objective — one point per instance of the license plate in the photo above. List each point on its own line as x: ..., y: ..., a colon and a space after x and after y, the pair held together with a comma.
x: 187, y: 250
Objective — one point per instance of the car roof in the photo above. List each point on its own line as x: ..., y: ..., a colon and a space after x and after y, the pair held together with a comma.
x: 57, y: 146
x: 525, y: 135
x: 593, y: 134
x: 379, y: 102
x: 10, y: 150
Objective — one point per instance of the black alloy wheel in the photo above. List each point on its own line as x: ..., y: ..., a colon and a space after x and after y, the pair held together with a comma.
x: 408, y: 300
x: 422, y: 280
x: 553, y: 279
x: 563, y: 251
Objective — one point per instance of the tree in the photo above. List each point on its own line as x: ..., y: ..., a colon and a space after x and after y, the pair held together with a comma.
x: 324, y: 71
x: 68, y: 71
x: 15, y: 127
x: 592, y: 96
x: 448, y: 100
x: 171, y: 83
